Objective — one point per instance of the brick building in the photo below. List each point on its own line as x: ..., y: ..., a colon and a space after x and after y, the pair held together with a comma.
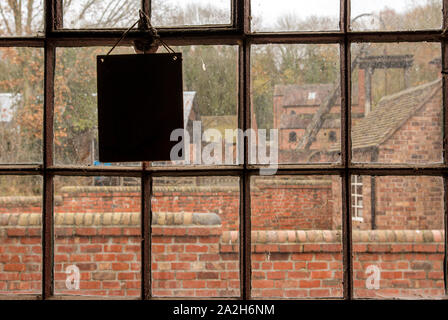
x: 402, y: 128
x: 294, y: 108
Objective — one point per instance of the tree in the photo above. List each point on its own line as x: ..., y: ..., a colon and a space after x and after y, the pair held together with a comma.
x: 211, y: 71
x: 75, y: 80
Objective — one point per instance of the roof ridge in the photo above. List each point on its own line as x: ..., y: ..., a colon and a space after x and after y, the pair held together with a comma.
x: 425, y: 92
x: 419, y: 106
x: 408, y: 90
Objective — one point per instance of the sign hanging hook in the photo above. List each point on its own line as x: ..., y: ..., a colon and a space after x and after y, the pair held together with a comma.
x: 152, y: 41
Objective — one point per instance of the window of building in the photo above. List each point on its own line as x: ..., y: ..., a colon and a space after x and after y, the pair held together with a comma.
x: 311, y: 95
x: 357, y: 198
x: 292, y: 137
x: 371, y: 75
x: 332, y: 136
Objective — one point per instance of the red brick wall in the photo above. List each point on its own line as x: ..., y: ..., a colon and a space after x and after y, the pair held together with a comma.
x: 22, y: 204
x: 109, y: 259
x: 296, y: 264
x: 403, y: 202
x: 98, y: 199
x: 191, y: 262
x: 419, y: 139
x: 20, y: 258
x: 302, y: 204
x: 277, y: 203
x: 411, y: 265
x: 99, y: 232
x: 202, y: 260
x: 414, y: 202
x: 108, y: 256
x: 224, y: 202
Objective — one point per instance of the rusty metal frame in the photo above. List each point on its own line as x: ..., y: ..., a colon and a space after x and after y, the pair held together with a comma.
x: 237, y: 33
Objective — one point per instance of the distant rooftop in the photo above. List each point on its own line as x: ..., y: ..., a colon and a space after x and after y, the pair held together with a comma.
x: 389, y: 115
x: 303, y: 95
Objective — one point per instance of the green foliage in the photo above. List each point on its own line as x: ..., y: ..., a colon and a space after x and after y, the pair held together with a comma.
x: 211, y: 71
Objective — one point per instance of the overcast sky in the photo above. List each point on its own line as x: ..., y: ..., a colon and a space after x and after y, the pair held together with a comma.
x: 270, y: 10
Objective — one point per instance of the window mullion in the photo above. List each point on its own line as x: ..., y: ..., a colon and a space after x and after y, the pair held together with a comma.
x: 47, y: 219
x: 146, y: 224
x: 345, y: 152
x: 245, y: 218
x: 445, y: 131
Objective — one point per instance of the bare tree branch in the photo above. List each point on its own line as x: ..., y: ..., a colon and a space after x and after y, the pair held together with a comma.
x: 16, y: 8
x: 108, y: 11
x: 319, y: 117
x: 86, y: 7
x: 29, y: 17
x: 5, y: 20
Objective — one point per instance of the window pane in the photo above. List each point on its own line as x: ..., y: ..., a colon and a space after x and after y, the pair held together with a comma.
x: 96, y: 14
x: 21, y: 105
x: 97, y: 241
x: 397, y: 103
x: 195, y: 250
x: 396, y: 15
x: 20, y: 235
x: 76, y: 111
x: 21, y: 18
x: 168, y: 13
x: 398, y: 249
x: 293, y: 15
x: 296, y: 92
x: 210, y: 76
x: 296, y: 237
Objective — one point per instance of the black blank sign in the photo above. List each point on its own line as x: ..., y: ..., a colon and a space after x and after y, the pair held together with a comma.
x: 140, y: 102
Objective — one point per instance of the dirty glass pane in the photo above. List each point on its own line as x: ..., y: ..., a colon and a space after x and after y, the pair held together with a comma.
x: 398, y: 238
x: 21, y: 105
x: 21, y: 18
x: 396, y: 15
x: 296, y: 104
x: 397, y: 103
x: 195, y: 242
x: 168, y: 13
x: 97, y: 243
x: 210, y: 76
x: 98, y: 14
x: 75, y: 110
x: 20, y: 235
x: 296, y: 237
x: 293, y: 15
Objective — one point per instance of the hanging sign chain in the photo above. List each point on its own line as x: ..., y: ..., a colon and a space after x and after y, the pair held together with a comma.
x: 144, y: 22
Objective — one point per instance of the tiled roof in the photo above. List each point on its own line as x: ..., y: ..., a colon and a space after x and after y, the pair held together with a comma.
x: 389, y: 115
x: 303, y: 95
x: 299, y: 121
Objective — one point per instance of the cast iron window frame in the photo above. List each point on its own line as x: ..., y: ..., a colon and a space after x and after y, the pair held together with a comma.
x: 237, y: 33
